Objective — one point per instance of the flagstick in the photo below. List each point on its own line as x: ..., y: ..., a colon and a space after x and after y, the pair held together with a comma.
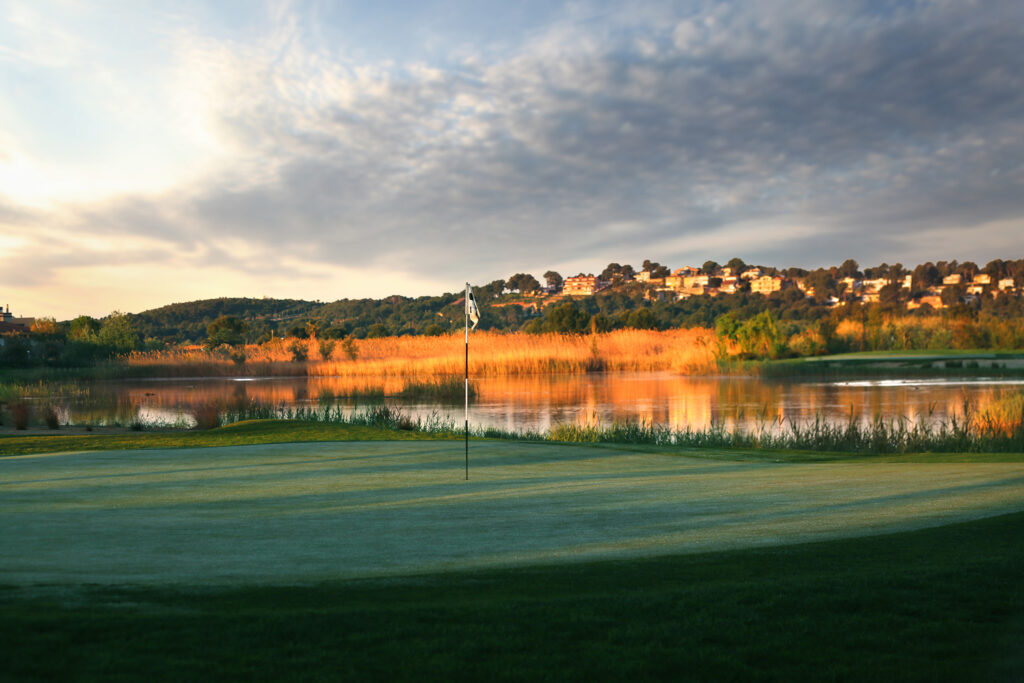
x: 467, y: 381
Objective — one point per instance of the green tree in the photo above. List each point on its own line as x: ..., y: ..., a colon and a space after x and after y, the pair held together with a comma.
x: 523, y: 282
x: 565, y: 318
x: 378, y: 330
x: 761, y: 337
x: 84, y: 328
x: 226, y: 329
x: 553, y: 280
x: 736, y: 265
x: 642, y: 319
x: 117, y: 333
x: 709, y: 268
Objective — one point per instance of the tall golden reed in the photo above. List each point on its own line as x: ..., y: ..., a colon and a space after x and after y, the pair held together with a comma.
x: 689, y: 351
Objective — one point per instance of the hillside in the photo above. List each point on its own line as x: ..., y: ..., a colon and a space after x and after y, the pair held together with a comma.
x: 181, y: 322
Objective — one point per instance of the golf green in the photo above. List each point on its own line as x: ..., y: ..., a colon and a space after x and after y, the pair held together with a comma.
x: 305, y: 513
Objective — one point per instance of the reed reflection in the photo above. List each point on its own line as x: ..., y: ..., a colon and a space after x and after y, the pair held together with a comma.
x: 537, y: 402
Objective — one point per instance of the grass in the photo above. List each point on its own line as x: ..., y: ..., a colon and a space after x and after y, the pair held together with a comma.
x: 237, y: 434
x: 939, y: 363
x: 936, y: 604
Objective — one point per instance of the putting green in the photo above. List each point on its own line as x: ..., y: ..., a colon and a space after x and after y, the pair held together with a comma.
x: 299, y: 513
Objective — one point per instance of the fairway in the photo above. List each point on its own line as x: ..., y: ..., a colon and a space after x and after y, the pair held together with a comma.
x: 301, y: 513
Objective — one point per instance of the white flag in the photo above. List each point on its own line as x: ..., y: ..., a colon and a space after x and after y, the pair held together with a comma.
x: 471, y: 309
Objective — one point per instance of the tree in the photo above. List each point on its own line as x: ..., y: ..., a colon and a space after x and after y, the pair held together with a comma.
x: 889, y: 295
x: 642, y: 319
x: 952, y: 295
x: 660, y: 272
x: 522, y: 282
x: 709, y: 268
x: 226, y: 329
x: 849, y: 268
x: 760, y: 336
x: 926, y: 275
x: 117, y: 333
x: 84, y: 328
x: 554, y: 280
x: 736, y: 265
x: 565, y: 318
x: 44, y: 327
x: 610, y: 272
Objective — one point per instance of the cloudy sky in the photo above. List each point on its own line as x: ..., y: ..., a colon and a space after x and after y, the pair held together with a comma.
x: 153, y: 152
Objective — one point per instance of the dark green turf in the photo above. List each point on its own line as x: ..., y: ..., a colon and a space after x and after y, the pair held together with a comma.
x: 938, y: 604
x: 237, y: 434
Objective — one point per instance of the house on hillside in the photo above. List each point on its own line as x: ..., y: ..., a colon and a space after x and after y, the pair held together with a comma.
x: 933, y: 300
x: 582, y: 285
x: 686, y: 271
x: 673, y: 282
x: 751, y: 274
x: 954, y: 279
x: 1006, y: 283
x: 766, y: 284
x: 982, y: 279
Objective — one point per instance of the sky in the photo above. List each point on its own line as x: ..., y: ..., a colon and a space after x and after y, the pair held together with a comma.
x: 157, y: 152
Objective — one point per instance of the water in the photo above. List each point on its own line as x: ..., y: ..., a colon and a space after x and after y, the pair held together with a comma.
x: 539, y: 402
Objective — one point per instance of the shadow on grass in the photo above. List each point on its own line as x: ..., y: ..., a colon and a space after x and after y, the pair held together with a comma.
x: 943, y: 603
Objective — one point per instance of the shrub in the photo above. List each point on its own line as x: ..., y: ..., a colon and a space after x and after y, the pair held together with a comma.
x: 51, y: 418
x: 20, y: 413
x: 349, y: 347
x: 206, y: 415
x: 327, y: 348
x: 298, y: 350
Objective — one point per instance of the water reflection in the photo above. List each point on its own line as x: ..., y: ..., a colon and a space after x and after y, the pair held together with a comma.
x: 538, y: 402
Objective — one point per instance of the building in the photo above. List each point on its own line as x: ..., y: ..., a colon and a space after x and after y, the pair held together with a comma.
x: 954, y: 279
x: 874, y: 285
x: 908, y: 282
x: 751, y: 274
x: 766, y: 284
x: 674, y: 281
x: 582, y: 285
x: 982, y: 279
x: 686, y: 271
x: 11, y: 325
x: 1006, y: 283
x: 932, y: 300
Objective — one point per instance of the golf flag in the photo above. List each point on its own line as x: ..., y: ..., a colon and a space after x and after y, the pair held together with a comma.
x: 472, y: 312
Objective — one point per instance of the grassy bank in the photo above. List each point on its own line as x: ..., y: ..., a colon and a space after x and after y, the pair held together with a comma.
x: 937, y: 604
x: 871, y: 364
x: 236, y: 434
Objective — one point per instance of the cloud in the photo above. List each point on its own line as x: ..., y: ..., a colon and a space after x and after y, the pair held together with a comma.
x: 833, y: 125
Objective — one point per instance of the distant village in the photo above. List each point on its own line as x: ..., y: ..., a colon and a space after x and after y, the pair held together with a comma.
x: 966, y: 285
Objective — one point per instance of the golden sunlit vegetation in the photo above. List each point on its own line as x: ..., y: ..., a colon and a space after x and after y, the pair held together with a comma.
x: 686, y: 351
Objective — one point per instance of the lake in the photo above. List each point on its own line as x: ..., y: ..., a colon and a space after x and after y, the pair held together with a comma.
x: 538, y: 402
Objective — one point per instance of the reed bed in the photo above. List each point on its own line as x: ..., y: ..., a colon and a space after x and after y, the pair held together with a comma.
x: 685, y: 351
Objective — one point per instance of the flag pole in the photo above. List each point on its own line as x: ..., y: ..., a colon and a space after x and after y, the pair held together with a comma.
x: 467, y: 381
